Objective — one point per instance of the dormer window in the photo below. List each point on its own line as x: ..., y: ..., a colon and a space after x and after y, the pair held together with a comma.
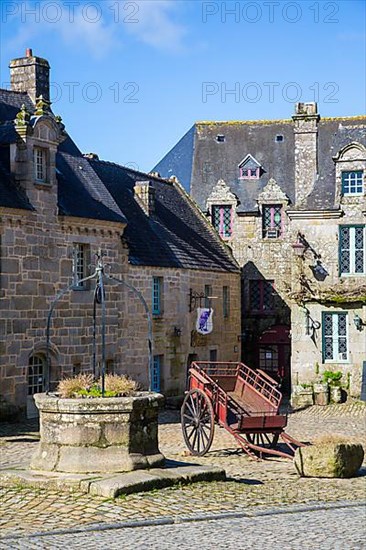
x: 250, y: 169
x: 249, y: 173
x: 352, y: 182
x: 40, y: 164
x: 220, y: 138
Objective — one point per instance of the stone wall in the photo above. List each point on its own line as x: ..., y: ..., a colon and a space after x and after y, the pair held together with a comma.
x: 37, y: 263
x: 175, y: 349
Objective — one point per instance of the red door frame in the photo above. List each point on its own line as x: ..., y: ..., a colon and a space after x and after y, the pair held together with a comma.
x: 279, y: 336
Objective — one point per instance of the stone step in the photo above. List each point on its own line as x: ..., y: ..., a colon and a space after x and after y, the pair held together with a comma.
x: 113, y: 485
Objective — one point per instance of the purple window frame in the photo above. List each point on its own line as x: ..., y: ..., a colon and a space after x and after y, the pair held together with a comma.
x: 254, y: 173
x: 262, y: 286
x: 221, y: 228
x: 272, y: 208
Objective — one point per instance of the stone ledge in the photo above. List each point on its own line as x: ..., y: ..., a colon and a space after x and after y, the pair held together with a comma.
x: 111, y: 486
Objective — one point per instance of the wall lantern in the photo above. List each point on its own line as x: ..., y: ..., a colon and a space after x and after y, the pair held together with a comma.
x: 299, y: 249
x: 359, y: 323
x: 302, y: 245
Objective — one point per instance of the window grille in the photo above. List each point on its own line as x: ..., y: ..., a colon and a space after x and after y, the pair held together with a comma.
x: 208, y: 295
x: 157, y: 295
x: 272, y: 221
x: 36, y: 374
x: 40, y: 164
x: 352, y: 182
x: 225, y: 301
x: 261, y: 295
x: 335, y: 337
x: 222, y: 220
x: 80, y: 265
x: 352, y: 260
x: 156, y: 373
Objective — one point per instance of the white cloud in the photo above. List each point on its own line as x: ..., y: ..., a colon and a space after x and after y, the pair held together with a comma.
x: 98, y: 31
x: 79, y: 28
x: 155, y: 24
x: 98, y: 37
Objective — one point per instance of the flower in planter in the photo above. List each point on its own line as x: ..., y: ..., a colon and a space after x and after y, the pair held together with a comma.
x: 333, y: 378
x: 84, y: 385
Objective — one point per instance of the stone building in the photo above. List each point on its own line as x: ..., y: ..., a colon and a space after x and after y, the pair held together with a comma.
x: 58, y: 207
x: 288, y: 196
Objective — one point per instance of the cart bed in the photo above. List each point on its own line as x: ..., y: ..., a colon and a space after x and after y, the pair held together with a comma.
x: 243, y: 401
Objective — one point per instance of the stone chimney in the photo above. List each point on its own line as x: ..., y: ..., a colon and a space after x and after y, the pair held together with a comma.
x: 306, y: 120
x: 31, y: 74
x: 144, y: 193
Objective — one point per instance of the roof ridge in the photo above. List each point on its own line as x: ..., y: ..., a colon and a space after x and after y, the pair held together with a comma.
x: 128, y: 169
x: 352, y: 117
x: 259, y: 121
x: 273, y: 121
x: 14, y: 92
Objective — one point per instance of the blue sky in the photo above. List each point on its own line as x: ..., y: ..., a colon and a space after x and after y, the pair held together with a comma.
x: 131, y: 77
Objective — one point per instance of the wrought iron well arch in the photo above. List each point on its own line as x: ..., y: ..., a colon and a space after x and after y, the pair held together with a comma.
x: 99, y: 297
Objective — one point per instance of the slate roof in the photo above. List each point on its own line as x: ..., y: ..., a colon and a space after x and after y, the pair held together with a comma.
x: 8, y: 133
x: 81, y: 193
x: 11, y: 102
x: 176, y: 235
x: 199, y: 160
x: 10, y: 195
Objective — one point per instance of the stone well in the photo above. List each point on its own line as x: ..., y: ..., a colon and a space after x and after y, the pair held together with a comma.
x: 111, y: 434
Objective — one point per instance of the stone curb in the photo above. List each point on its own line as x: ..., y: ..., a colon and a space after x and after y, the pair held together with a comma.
x: 111, y: 486
x: 293, y: 509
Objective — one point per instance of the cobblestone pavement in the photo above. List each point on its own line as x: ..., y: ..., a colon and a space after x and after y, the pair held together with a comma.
x: 253, y: 483
x: 329, y: 529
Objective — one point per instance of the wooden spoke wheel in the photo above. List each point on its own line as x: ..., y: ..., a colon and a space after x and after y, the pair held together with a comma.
x: 198, y: 422
x: 265, y: 440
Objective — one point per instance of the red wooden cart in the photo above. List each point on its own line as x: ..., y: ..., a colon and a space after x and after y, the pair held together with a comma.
x: 243, y: 401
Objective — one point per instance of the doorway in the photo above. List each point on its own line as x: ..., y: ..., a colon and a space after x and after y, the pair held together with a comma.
x: 274, y: 355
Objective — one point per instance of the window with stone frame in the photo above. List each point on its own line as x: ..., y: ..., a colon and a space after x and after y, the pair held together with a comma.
x: 40, y: 156
x: 261, y: 295
x: 335, y: 337
x: 352, y: 182
x: 272, y: 226
x: 222, y: 220
x: 36, y: 374
x: 208, y: 296
x: 156, y: 373
x: 352, y: 250
x: 80, y: 265
x: 225, y: 302
x: 157, y: 295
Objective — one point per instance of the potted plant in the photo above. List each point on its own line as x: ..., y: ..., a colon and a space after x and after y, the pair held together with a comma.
x: 82, y: 431
x: 333, y: 379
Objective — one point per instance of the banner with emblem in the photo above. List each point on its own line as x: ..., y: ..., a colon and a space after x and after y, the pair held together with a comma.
x: 204, y: 323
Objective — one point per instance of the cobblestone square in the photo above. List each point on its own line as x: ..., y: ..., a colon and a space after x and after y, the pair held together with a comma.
x: 251, y: 484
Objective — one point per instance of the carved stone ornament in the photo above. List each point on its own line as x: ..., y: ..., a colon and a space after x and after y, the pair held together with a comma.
x: 221, y: 194
x: 42, y: 106
x: 272, y: 193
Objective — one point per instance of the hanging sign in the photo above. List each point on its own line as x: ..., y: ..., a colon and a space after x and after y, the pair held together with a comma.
x: 204, y: 320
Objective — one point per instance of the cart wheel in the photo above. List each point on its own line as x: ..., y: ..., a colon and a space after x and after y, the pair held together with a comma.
x: 198, y: 423
x: 268, y: 440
